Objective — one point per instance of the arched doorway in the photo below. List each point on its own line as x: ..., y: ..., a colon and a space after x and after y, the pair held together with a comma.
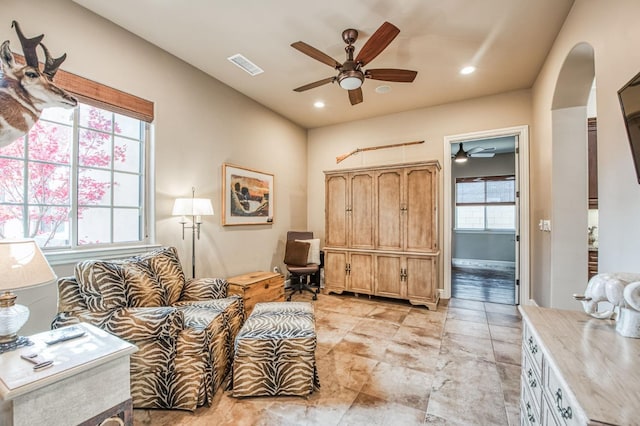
x: 569, y: 169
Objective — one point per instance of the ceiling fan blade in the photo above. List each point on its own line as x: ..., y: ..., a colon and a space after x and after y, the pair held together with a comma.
x: 355, y: 96
x: 391, y: 74
x: 482, y: 155
x: 316, y: 54
x: 377, y: 43
x: 480, y: 149
x: 314, y: 84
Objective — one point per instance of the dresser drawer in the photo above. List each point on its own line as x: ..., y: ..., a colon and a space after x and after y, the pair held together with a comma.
x: 548, y: 415
x: 529, y: 410
x: 559, y: 400
x: 531, y: 379
x: 532, y: 348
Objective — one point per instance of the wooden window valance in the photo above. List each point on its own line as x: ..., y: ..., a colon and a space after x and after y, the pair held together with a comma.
x: 97, y: 94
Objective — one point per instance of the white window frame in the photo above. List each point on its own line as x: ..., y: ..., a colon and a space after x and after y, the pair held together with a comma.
x: 74, y: 252
x: 484, y: 204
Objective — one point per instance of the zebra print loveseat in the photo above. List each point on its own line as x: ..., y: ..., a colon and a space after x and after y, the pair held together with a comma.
x: 184, y: 328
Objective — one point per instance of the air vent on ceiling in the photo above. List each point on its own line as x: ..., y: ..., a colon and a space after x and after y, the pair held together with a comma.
x: 245, y: 64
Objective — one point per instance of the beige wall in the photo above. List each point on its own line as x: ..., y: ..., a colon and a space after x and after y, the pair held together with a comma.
x: 428, y: 124
x: 200, y: 124
x: 612, y: 30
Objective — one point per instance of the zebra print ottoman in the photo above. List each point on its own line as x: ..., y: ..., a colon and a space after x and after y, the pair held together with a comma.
x: 275, y: 351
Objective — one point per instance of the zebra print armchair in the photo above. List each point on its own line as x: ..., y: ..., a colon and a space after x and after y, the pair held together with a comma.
x: 184, y: 328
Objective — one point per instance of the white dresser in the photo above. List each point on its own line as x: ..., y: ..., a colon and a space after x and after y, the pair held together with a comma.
x: 576, y: 370
x: 87, y: 384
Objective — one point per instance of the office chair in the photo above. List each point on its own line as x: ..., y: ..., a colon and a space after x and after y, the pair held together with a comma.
x: 302, y: 260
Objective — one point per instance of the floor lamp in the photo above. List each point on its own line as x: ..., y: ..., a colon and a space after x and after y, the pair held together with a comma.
x: 196, y: 208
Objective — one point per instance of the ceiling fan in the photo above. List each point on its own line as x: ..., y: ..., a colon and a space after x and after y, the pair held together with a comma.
x: 350, y: 74
x: 461, y: 156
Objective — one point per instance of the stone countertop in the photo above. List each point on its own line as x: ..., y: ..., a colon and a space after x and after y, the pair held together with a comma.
x: 599, y: 366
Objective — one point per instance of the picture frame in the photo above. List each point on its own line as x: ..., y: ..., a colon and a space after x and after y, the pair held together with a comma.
x: 247, y: 196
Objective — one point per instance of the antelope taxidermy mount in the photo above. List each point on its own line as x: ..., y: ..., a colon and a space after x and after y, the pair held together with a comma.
x: 25, y: 90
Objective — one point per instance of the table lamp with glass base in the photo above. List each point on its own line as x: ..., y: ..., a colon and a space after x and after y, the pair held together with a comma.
x: 22, y: 265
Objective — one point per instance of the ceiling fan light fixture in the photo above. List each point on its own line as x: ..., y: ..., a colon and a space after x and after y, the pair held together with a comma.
x: 350, y: 80
x: 351, y: 74
x: 461, y: 156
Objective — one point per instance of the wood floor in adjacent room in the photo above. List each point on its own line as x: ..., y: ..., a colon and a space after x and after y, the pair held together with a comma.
x: 385, y: 362
x: 483, y: 284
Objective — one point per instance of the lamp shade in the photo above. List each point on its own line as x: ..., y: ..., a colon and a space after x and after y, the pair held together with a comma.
x: 22, y: 264
x: 192, y: 207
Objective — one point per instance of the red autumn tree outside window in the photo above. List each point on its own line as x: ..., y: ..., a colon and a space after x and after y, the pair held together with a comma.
x: 72, y: 178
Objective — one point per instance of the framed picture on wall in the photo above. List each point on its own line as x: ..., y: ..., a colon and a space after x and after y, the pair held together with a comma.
x: 247, y: 196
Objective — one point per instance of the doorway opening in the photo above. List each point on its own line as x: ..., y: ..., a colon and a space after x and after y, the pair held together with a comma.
x: 566, y: 268
x: 484, y: 217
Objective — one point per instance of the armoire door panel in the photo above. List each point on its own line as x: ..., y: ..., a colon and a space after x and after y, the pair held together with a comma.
x: 421, y: 279
x: 362, y: 214
x: 389, y: 281
x: 336, y: 203
x: 335, y: 271
x: 388, y: 225
x: 360, y: 273
x: 420, y: 213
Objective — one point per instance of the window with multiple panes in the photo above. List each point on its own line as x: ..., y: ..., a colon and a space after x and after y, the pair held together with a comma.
x: 78, y: 178
x: 486, y: 203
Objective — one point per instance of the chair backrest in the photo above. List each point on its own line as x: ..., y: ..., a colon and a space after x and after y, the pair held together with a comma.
x: 296, y: 254
x: 299, y: 235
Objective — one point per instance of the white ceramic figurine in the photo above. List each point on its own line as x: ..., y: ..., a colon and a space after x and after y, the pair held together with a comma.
x: 622, y: 291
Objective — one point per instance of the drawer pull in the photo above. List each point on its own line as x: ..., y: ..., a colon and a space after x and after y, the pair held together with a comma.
x: 530, y: 415
x: 566, y: 413
x: 533, y: 348
x: 532, y: 380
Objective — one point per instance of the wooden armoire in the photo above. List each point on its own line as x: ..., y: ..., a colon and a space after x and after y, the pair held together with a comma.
x: 381, y: 231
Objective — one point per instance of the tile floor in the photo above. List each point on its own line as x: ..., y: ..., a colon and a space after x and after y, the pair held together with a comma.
x: 386, y: 362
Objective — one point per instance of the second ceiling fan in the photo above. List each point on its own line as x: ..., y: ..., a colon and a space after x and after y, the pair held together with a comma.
x: 477, y: 151
x: 350, y: 73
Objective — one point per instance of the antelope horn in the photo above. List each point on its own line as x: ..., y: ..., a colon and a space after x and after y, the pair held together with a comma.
x: 28, y: 46
x: 51, y: 65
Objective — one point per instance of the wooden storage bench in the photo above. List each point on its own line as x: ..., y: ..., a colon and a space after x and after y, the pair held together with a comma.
x: 256, y: 287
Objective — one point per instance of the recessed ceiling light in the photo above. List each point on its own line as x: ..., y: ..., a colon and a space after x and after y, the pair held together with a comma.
x: 318, y: 104
x: 467, y: 70
x: 383, y: 89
